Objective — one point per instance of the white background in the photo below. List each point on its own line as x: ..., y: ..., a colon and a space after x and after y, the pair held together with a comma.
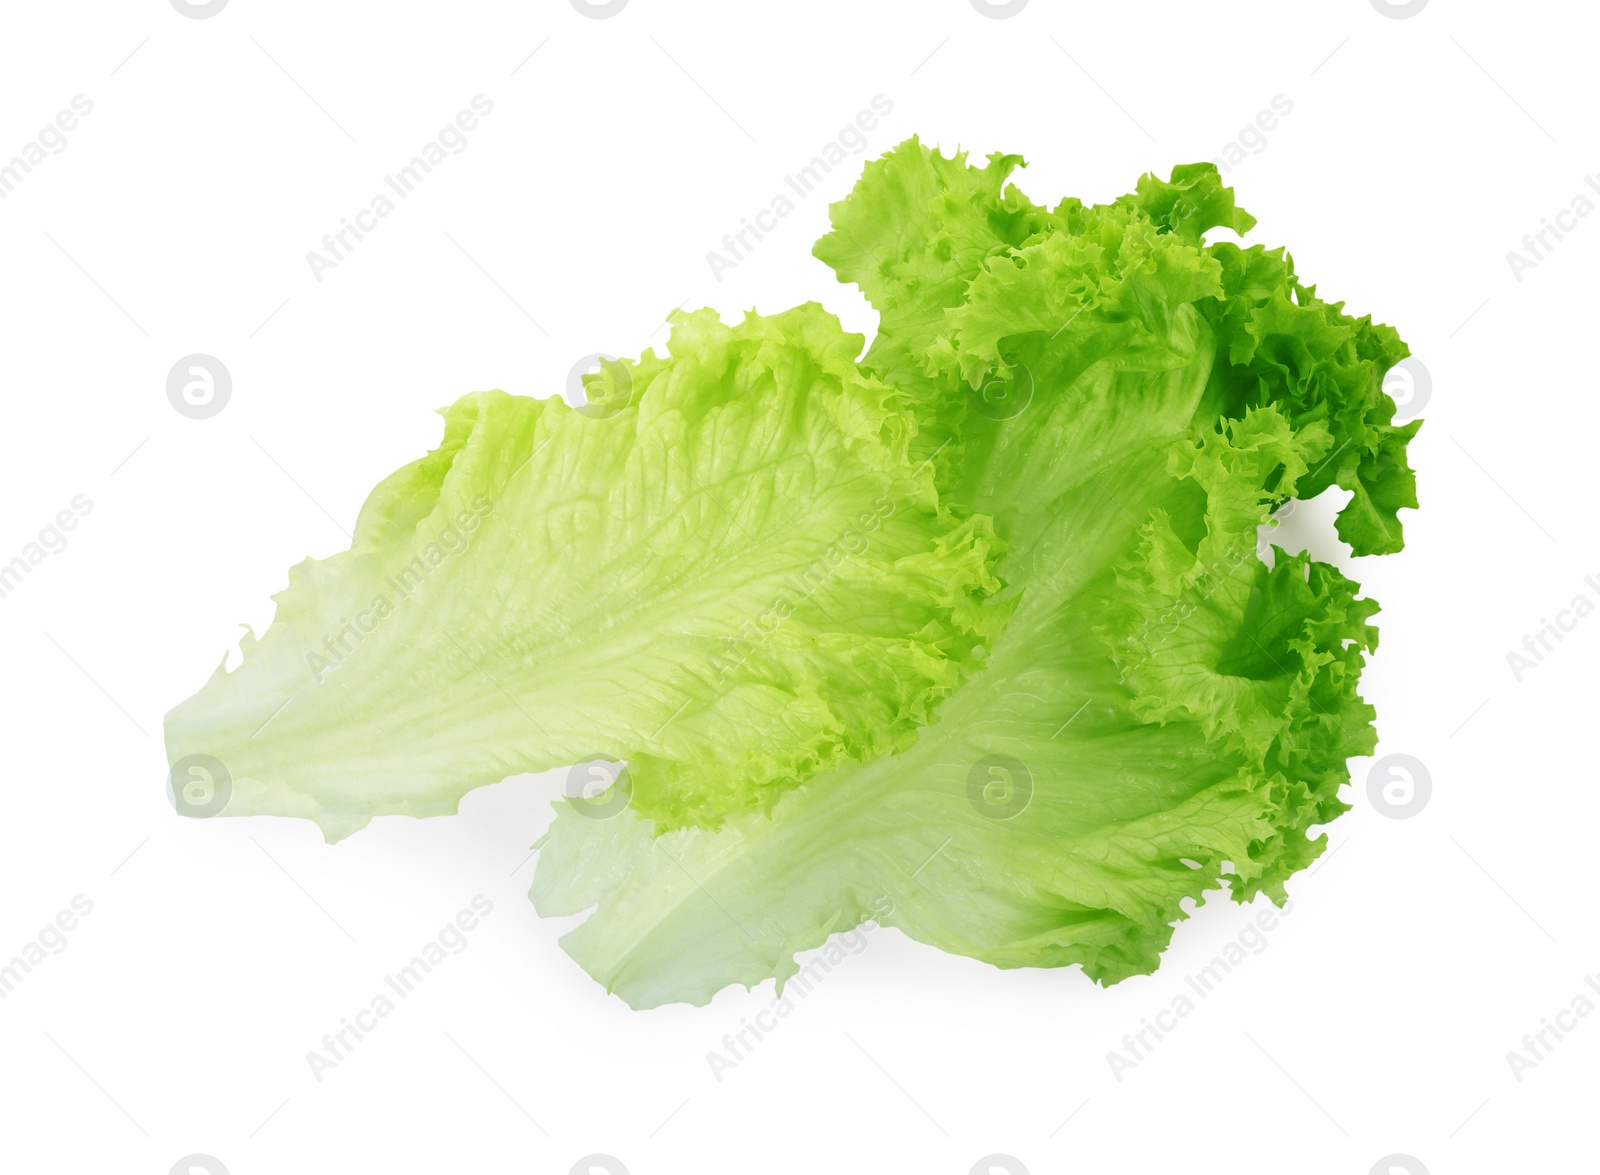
x: 177, y: 220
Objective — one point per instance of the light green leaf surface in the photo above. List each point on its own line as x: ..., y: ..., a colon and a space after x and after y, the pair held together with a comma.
x: 732, y: 574
x: 1164, y: 712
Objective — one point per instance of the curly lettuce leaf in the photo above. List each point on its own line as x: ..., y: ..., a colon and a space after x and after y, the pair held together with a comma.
x: 1070, y: 796
x: 727, y: 569
x: 1164, y: 712
x: 970, y: 636
x: 911, y: 235
x: 951, y: 258
x: 1289, y: 347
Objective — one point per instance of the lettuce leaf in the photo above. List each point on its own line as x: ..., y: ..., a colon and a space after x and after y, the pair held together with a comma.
x: 969, y: 636
x: 1163, y: 711
x: 726, y: 569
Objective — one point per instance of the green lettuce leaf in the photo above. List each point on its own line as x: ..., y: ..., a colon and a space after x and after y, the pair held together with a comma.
x: 1164, y: 711
x: 1071, y: 794
x: 970, y: 636
x: 727, y: 569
